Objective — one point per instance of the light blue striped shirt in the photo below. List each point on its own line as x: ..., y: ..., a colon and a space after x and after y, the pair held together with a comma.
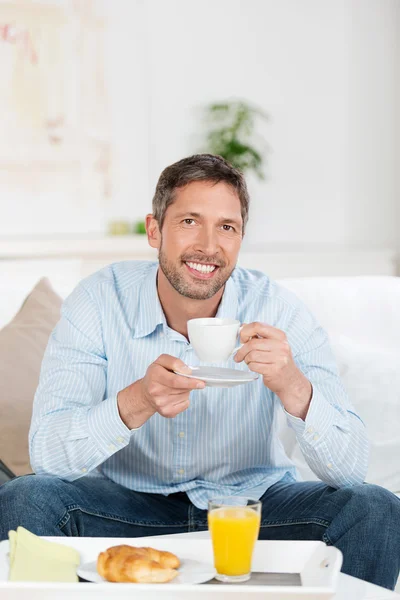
x: 113, y: 327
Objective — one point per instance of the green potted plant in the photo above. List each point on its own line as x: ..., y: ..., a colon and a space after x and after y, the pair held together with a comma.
x: 139, y: 227
x: 231, y: 134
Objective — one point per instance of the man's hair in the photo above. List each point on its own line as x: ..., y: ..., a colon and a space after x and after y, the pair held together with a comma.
x: 200, y: 167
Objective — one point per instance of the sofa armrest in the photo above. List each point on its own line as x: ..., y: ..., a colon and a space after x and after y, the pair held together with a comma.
x: 5, y: 473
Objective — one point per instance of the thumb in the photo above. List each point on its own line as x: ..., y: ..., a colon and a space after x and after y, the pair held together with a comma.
x: 179, y: 365
x: 172, y: 363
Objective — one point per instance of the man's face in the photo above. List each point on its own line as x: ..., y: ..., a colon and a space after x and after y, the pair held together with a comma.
x: 200, y: 238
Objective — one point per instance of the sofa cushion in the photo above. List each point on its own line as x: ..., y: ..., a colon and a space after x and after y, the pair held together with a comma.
x: 22, y: 345
x: 364, y: 309
x: 371, y: 376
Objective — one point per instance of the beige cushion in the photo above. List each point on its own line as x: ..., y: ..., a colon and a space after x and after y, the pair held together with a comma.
x: 22, y: 345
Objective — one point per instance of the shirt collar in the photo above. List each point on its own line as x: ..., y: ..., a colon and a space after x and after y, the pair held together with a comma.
x: 228, y: 306
x: 151, y: 314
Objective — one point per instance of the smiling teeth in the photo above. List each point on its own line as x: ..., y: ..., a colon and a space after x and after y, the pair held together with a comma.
x: 201, y: 268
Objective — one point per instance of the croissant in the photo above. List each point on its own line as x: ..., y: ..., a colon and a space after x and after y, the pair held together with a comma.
x: 129, y: 564
x: 166, y: 559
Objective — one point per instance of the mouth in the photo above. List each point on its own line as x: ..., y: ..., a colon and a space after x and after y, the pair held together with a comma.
x: 201, y: 270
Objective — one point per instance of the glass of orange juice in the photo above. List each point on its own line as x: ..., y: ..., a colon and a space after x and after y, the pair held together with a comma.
x: 234, y: 524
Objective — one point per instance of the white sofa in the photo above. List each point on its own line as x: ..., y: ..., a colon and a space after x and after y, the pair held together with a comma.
x: 362, y: 318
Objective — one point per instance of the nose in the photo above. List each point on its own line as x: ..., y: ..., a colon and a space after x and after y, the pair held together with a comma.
x: 207, y: 241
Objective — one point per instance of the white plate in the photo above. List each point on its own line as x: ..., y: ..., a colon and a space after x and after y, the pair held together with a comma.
x: 220, y: 376
x: 190, y: 572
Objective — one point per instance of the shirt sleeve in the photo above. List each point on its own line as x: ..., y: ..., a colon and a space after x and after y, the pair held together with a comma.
x: 332, y: 438
x: 75, y: 426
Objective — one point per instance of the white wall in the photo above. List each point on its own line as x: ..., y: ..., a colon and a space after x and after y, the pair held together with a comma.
x: 324, y: 70
x: 289, y: 57
x: 127, y: 76
x: 397, y: 129
x: 372, y: 173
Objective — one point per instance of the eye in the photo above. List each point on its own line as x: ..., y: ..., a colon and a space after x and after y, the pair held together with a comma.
x: 227, y: 227
x: 188, y: 221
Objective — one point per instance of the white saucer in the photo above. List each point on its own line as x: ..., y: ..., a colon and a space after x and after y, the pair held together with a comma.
x: 220, y: 376
x: 190, y: 572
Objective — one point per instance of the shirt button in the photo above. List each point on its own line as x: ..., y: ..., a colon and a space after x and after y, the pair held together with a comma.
x: 310, y: 430
x: 329, y: 465
x: 181, y: 471
x: 181, y: 434
x: 111, y: 447
x: 120, y: 439
x: 316, y: 436
x: 84, y: 470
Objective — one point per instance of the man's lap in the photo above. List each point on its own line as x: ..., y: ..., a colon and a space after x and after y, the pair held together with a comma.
x: 97, y: 506
x: 90, y: 506
x: 297, y: 510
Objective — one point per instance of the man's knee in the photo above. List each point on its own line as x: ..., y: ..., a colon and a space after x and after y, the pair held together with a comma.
x: 30, y: 488
x: 379, y: 506
x: 29, y: 501
x: 375, y: 496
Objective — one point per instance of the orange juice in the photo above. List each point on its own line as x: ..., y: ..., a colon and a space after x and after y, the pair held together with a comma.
x: 234, y: 531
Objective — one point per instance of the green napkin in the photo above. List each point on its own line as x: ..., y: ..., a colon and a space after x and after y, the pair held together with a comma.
x: 35, y: 559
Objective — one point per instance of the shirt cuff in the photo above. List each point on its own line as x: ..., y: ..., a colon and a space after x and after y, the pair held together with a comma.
x: 107, y: 428
x: 321, y: 417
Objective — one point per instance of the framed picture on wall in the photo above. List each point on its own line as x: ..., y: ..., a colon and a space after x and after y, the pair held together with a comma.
x: 55, y: 135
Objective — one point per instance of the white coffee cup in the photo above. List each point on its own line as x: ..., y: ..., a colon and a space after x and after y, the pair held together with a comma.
x: 214, y: 339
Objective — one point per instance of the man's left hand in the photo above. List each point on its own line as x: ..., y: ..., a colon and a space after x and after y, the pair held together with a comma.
x: 266, y: 351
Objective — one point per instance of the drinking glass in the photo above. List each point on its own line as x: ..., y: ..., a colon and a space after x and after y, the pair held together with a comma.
x: 234, y: 524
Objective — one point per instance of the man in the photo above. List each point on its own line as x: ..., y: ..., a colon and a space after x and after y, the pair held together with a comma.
x: 123, y: 446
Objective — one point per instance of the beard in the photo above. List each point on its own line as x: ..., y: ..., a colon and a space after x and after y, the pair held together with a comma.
x: 199, y: 289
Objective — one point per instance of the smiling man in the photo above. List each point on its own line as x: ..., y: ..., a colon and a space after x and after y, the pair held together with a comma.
x: 123, y: 446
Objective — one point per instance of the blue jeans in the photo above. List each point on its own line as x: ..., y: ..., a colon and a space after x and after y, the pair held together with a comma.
x: 362, y: 521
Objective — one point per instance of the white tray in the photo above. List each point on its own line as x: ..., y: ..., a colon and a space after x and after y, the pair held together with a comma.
x: 317, y: 564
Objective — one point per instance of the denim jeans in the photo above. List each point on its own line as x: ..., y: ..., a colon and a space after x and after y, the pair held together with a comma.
x: 362, y: 521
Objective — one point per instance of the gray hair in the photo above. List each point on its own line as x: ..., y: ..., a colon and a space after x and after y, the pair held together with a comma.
x: 199, y: 167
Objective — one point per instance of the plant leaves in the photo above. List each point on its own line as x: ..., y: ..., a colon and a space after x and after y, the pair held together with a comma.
x: 231, y: 132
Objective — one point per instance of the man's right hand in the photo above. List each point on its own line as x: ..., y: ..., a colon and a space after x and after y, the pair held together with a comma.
x: 160, y: 390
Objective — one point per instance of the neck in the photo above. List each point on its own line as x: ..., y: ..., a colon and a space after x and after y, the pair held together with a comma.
x: 178, y: 309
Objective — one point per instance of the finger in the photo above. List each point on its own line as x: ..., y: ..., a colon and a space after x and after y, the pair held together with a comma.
x: 176, y: 392
x: 171, y: 363
x: 265, y: 369
x: 263, y: 330
x: 182, y: 402
x: 266, y: 358
x: 163, y: 382
x: 170, y: 411
x: 170, y: 400
x: 180, y: 382
x: 258, y: 356
x: 262, y: 344
x: 261, y: 368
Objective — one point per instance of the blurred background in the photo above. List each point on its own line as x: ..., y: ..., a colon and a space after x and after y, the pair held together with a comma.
x: 98, y: 96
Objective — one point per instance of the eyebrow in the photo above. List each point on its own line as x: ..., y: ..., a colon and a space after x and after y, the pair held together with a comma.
x: 227, y: 220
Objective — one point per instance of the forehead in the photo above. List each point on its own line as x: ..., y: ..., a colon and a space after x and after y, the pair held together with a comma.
x: 206, y: 196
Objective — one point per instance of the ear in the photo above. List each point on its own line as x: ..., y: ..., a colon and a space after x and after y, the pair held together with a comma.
x: 153, y: 232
